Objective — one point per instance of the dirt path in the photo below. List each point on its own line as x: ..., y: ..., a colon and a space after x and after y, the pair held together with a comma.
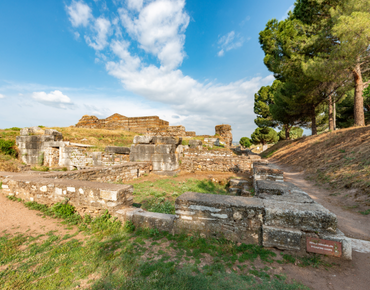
x: 15, y: 219
x: 353, y: 274
x: 352, y: 224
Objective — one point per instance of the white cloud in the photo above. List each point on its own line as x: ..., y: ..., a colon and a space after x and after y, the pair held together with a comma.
x: 160, y: 30
x: 157, y: 27
x: 79, y: 13
x: 2, y: 96
x: 54, y: 99
x: 229, y: 41
x: 135, y: 4
x: 102, y: 29
x: 246, y: 19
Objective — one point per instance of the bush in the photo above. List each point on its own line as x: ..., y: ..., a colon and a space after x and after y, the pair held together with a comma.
x: 245, y: 142
x: 264, y: 136
x: 7, y: 147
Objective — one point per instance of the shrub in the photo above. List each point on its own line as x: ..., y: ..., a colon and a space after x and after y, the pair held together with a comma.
x: 245, y: 142
x: 7, y: 147
x: 264, y: 136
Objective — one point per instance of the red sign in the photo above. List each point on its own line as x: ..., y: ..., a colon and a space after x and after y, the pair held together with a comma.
x: 332, y: 248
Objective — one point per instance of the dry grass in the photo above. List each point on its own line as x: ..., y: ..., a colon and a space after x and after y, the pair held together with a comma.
x: 340, y: 158
x: 97, y: 137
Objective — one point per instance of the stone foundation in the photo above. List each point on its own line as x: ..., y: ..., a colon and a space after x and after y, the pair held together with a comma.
x: 90, y: 196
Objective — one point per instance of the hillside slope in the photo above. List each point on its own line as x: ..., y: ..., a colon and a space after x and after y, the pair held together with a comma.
x: 339, y: 159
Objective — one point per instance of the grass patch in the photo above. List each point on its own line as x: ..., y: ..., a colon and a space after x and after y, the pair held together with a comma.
x: 40, y: 168
x: 122, y: 257
x: 159, y: 196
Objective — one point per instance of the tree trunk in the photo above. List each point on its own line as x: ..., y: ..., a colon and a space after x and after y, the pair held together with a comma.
x: 359, y: 99
x: 331, y: 117
x: 335, y: 115
x: 287, y: 132
x: 313, y: 120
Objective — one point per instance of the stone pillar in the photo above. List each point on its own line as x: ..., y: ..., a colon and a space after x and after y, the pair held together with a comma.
x: 161, y: 151
x: 224, y: 131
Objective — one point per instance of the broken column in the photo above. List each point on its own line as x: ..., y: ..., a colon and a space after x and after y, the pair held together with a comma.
x: 161, y: 151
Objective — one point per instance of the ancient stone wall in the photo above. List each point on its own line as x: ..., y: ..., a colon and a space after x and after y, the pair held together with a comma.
x: 212, y: 160
x: 160, y: 151
x: 118, y: 173
x: 81, y: 157
x: 224, y: 131
x: 117, y: 121
x: 90, y: 197
x: 33, y: 142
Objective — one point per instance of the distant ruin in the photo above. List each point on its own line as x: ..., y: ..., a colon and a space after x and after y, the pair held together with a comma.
x: 151, y: 125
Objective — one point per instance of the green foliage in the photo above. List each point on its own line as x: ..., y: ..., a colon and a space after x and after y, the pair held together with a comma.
x: 366, y: 212
x: 264, y: 136
x: 294, y: 133
x: 13, y: 129
x: 129, y: 226
x: 159, y: 204
x: 159, y: 196
x: 245, y: 142
x: 262, y: 102
x: 7, y: 147
x: 112, y: 256
x: 63, y: 210
x: 185, y: 142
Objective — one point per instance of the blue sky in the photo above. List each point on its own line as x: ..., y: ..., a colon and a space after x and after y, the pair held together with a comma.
x: 195, y: 63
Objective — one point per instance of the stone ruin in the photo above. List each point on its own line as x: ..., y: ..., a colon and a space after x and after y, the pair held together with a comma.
x: 151, y: 125
x: 224, y: 131
x: 46, y: 147
x: 160, y: 151
x: 273, y: 213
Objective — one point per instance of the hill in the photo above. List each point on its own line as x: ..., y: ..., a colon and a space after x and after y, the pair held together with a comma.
x: 339, y: 160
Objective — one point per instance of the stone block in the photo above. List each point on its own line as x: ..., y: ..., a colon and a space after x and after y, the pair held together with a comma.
x: 235, y: 191
x: 165, y: 149
x: 195, y: 143
x: 153, y: 220
x: 238, y: 183
x: 117, y: 150
x: 284, y: 239
x: 142, y: 139
x: 311, y: 217
x: 166, y: 140
x: 57, y: 136
x: 235, y: 218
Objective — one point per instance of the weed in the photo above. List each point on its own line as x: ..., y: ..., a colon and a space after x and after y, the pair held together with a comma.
x: 366, y: 212
x: 342, y: 150
x: 129, y: 226
x: 335, y: 194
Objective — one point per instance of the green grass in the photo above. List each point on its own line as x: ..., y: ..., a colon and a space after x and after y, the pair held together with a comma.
x: 160, y: 196
x: 113, y: 256
x: 366, y: 212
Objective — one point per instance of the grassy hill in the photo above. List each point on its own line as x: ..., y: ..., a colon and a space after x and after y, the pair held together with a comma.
x: 339, y: 159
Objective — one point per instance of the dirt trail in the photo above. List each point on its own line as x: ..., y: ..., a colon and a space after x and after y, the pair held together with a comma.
x: 352, y: 224
x: 353, y: 274
x: 15, y: 219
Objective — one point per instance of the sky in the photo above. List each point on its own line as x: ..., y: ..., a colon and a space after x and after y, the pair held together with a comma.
x: 192, y: 63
